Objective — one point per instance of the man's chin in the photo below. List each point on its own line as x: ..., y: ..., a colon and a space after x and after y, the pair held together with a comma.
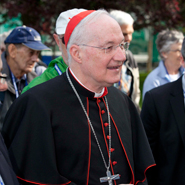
x: 116, y: 80
x: 29, y: 69
x: 111, y: 83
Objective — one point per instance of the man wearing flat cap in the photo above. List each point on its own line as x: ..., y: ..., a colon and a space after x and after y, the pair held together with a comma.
x: 23, y: 46
x: 78, y: 129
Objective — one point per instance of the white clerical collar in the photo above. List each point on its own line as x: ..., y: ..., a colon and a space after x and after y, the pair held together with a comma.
x: 96, y: 95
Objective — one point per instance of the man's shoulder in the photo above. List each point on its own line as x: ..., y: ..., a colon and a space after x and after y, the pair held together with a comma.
x: 153, y: 75
x: 117, y: 95
x: 119, y: 101
x: 57, y: 60
x: 114, y: 90
x: 57, y: 63
x: 37, y: 80
x: 167, y: 88
x: 40, y: 86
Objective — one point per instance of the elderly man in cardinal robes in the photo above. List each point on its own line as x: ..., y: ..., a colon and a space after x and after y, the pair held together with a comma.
x: 78, y: 129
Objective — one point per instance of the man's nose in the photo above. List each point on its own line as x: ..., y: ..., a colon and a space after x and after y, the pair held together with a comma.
x: 35, y: 58
x: 128, y: 38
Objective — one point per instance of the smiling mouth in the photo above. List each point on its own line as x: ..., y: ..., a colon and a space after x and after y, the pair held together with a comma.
x: 114, y: 67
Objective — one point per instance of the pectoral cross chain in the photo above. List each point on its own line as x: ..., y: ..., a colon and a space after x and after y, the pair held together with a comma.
x: 109, y: 178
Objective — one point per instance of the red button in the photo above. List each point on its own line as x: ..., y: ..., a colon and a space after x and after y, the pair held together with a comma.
x: 98, y: 100
x: 114, y: 162
x: 108, y: 137
x: 112, y: 149
x: 102, y: 112
x: 106, y: 124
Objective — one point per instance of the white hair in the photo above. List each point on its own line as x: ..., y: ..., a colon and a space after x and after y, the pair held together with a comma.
x: 122, y: 17
x: 166, y: 38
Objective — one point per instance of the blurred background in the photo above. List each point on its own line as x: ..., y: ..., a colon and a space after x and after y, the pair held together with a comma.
x: 151, y: 16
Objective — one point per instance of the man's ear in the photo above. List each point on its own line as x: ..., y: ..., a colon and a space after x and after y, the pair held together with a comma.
x: 75, y: 52
x: 12, y: 50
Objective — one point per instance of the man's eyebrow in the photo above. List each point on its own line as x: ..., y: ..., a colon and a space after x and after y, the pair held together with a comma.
x: 112, y: 42
x: 109, y: 42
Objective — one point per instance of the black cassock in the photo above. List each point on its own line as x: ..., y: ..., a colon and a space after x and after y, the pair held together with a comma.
x: 7, y: 174
x: 50, y: 140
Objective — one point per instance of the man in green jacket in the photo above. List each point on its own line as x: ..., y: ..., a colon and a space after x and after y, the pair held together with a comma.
x: 59, y: 65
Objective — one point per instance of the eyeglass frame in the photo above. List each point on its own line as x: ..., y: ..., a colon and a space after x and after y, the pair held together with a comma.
x: 125, y: 46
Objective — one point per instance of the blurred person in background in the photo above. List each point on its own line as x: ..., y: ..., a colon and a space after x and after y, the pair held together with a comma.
x: 163, y: 117
x: 129, y: 80
x: 23, y: 46
x: 39, y: 67
x: 169, y: 44
x: 2, y: 39
x: 3, y: 84
x: 59, y: 65
x: 7, y: 175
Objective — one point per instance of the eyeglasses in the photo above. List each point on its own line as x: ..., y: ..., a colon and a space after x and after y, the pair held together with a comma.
x: 123, y: 45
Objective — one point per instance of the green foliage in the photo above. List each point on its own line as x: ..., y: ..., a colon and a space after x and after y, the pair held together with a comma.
x: 42, y: 14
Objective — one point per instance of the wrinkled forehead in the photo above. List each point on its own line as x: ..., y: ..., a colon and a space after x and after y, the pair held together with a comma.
x: 106, y: 30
